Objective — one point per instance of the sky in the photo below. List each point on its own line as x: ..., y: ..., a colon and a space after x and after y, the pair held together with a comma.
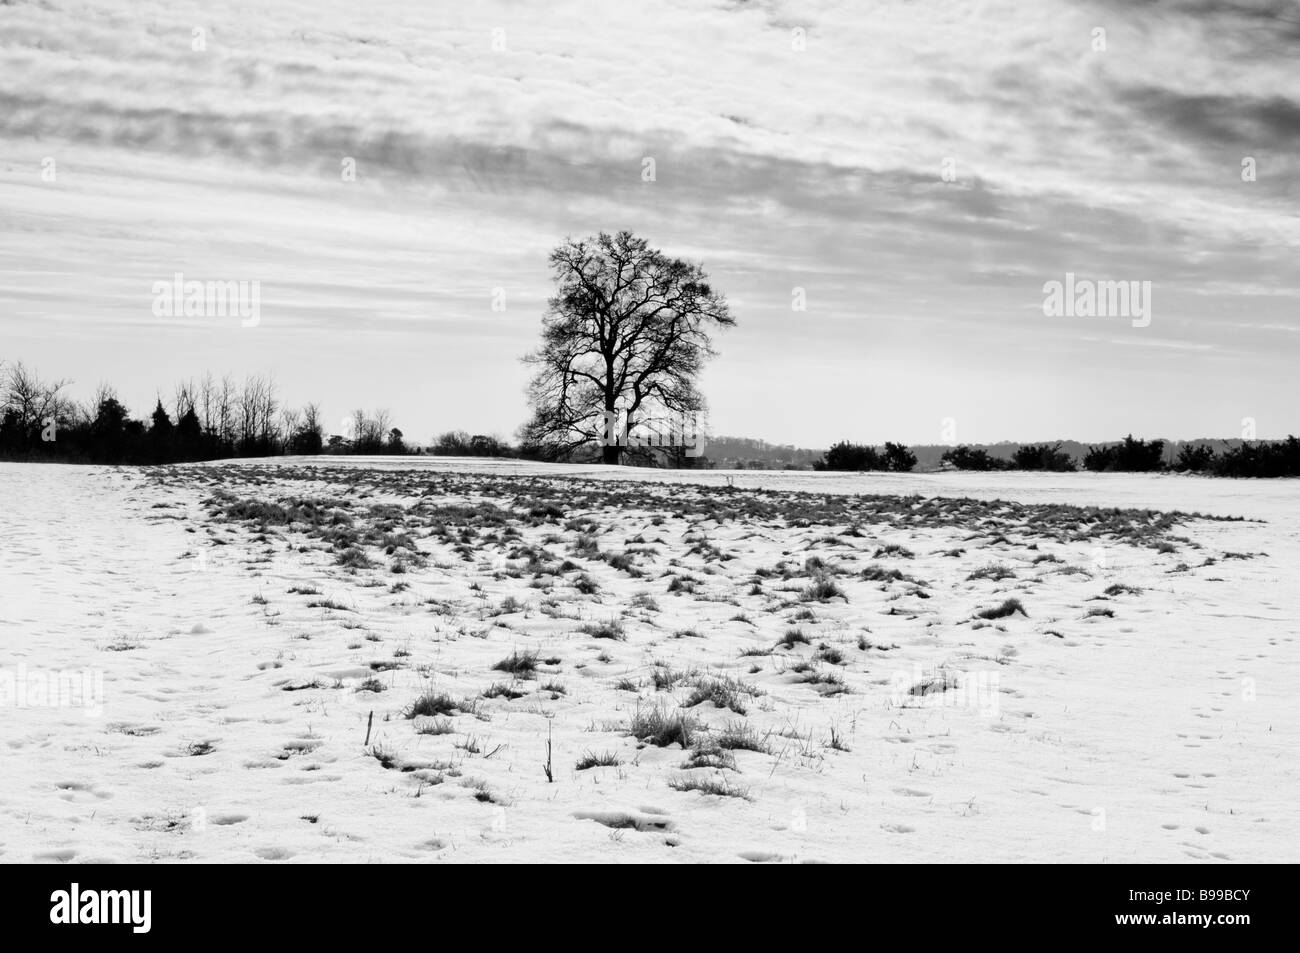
x: 915, y: 172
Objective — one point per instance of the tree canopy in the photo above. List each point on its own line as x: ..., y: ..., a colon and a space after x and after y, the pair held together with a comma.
x: 623, y: 341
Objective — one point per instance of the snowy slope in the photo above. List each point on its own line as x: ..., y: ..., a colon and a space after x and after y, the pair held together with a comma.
x: 233, y: 711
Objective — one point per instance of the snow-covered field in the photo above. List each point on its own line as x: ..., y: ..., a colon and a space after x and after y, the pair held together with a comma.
x: 767, y: 667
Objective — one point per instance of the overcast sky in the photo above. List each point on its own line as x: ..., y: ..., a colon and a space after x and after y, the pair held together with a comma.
x: 798, y: 145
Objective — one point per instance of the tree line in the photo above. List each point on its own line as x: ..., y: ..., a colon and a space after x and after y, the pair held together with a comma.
x: 1261, y: 458
x: 207, y: 419
x: 857, y: 457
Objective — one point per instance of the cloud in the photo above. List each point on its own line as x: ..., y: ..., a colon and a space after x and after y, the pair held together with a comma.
x: 1271, y: 122
x: 819, y: 167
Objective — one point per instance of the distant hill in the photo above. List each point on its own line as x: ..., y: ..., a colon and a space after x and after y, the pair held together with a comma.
x: 929, y: 456
x: 745, y: 453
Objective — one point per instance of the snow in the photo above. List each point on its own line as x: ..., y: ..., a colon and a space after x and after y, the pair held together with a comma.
x: 225, y: 722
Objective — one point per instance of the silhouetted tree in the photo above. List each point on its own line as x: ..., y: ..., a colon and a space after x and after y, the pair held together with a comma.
x: 1042, y: 457
x: 974, y: 458
x: 623, y: 341
x: 847, y: 456
x: 160, y: 435
x: 1195, y: 458
x: 898, y: 458
x: 1130, y: 455
x: 189, y: 436
x: 1277, y: 459
x: 308, y: 436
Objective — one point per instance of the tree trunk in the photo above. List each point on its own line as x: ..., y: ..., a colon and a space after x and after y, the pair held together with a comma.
x: 610, y: 454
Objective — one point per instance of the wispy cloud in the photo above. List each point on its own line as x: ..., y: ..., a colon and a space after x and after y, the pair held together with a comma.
x: 794, y: 145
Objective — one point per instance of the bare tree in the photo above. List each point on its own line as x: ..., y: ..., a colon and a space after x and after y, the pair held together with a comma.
x: 270, y: 403
x: 311, y: 419
x: 206, y: 401
x: 360, y: 427
x: 103, y: 391
x: 58, y: 406
x: 369, y: 430
x: 22, y: 393
x: 305, y: 435
x: 365, y: 432
x: 33, y: 401
x: 255, y: 415
x: 290, y: 421
x: 225, y: 414
x: 625, y: 335
x: 184, y: 399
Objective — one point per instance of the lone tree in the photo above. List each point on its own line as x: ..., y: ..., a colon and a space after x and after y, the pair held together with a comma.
x: 625, y: 335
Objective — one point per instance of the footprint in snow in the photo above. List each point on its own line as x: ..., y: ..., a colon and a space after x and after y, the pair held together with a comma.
x: 621, y: 820
x: 762, y: 857
x: 71, y: 790
x: 273, y: 853
x: 55, y: 856
x: 298, y: 746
